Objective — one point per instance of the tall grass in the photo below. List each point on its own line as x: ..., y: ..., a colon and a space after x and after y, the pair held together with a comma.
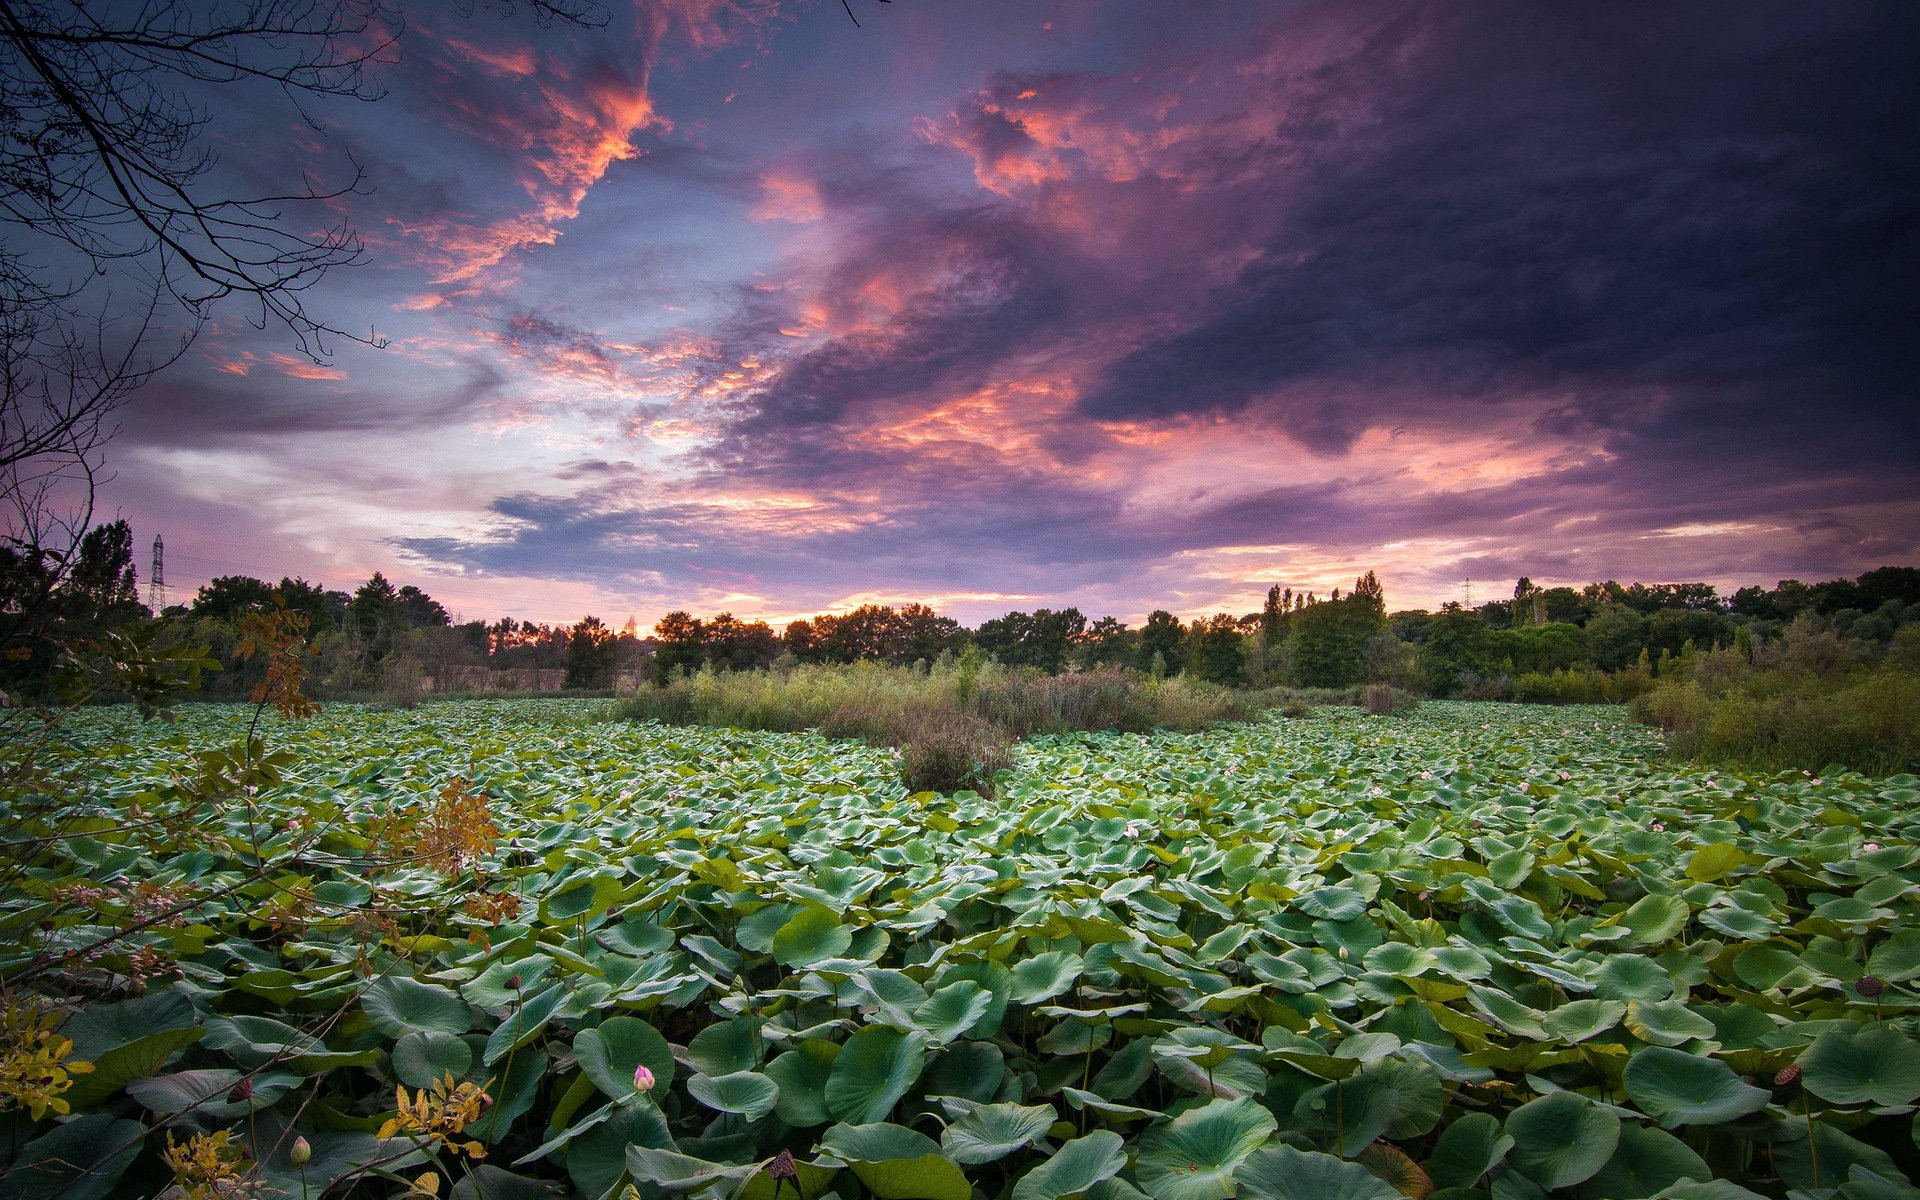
x: 1723, y: 709
x: 954, y: 725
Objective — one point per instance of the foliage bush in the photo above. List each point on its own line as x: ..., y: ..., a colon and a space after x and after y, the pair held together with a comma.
x: 1579, y: 685
x: 933, y: 715
x: 1381, y: 699
x: 1864, y: 720
x: 952, y: 753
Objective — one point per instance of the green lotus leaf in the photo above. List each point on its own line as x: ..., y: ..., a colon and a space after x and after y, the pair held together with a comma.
x: 1078, y: 1167
x: 1738, y: 923
x: 802, y: 1074
x: 424, y: 1058
x: 1508, y: 1013
x: 1870, y: 1066
x: 488, y: 1182
x: 1561, y: 1139
x: 1665, y: 1022
x: 990, y: 975
x: 1646, y: 1161
x: 728, y: 1046
x: 597, y: 1158
x: 1462, y: 962
x: 1332, y: 903
x: 876, y: 1068
x: 748, y: 1093
x: 755, y: 931
x: 1768, y: 967
x: 1713, y: 1189
x: 1716, y: 861
x: 812, y: 935
x: 1116, y: 1113
x: 115, y: 1068
x: 876, y: 1141
x: 1511, y: 869
x: 988, y: 1132
x: 398, y: 1006
x: 897, y: 1163
x: 672, y: 1171
x: 1468, y: 1148
x: 82, y: 1159
x: 1829, y: 1156
x: 970, y: 1070
x: 1632, y: 977
x: 580, y: 899
x: 1285, y: 1173
x: 1578, y: 1020
x: 952, y: 1010
x: 1898, y: 958
x: 1193, y: 1156
x: 609, y: 1053
x: 1654, y: 919
x: 524, y: 1023
x: 1045, y: 976
x: 206, y: 1091
x: 1676, y: 1088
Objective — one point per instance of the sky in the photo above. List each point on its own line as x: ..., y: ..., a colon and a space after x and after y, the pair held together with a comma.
x: 1001, y: 305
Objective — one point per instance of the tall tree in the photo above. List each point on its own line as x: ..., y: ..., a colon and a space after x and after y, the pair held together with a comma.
x: 590, y: 654
x: 101, y: 588
x: 678, y: 645
x: 1161, y: 639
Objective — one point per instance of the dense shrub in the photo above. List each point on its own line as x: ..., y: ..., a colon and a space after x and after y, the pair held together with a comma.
x: 937, y: 716
x: 953, y: 752
x: 1382, y: 699
x: 1579, y: 685
x: 1867, y: 721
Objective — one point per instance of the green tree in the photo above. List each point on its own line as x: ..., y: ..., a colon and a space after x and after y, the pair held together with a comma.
x: 100, y: 590
x: 1455, y: 646
x: 1213, y: 650
x: 1329, y: 640
x: 1615, y: 636
x: 590, y: 654
x: 678, y: 645
x: 1162, y: 639
x: 1108, y: 642
x: 226, y: 597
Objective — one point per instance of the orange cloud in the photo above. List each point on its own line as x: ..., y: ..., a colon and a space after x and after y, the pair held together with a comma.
x: 511, y: 61
x: 568, y: 133
x: 300, y: 368
x: 786, y: 197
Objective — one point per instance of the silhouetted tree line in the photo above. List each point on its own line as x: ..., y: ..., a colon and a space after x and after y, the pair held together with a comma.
x: 383, y: 636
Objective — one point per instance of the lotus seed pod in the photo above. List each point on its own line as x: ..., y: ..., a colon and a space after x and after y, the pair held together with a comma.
x: 1787, y: 1076
x: 1869, y: 985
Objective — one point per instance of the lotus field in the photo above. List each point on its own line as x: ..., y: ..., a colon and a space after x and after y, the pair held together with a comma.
x: 511, y: 949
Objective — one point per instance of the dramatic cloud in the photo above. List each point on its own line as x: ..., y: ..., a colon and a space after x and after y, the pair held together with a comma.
x: 740, y: 305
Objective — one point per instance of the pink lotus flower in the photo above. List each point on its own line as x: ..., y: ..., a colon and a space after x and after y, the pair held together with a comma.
x: 642, y: 1080
x: 1870, y: 847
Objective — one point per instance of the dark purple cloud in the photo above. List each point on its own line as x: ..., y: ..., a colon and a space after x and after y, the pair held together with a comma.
x: 1130, y: 305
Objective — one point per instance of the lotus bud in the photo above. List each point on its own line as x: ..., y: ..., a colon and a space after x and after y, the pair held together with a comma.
x: 642, y: 1079
x: 240, y: 1091
x: 299, y: 1152
x: 513, y: 982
